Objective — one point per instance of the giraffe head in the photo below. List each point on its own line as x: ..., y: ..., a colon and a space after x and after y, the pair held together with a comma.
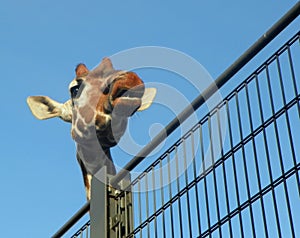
x: 101, y: 102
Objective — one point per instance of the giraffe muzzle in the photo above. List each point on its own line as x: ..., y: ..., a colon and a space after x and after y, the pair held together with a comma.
x: 126, y: 101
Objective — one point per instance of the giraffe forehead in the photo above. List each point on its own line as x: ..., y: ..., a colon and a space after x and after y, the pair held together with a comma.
x: 95, y: 80
x: 102, y: 72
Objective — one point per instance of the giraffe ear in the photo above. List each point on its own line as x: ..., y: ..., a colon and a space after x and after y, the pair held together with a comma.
x: 147, y: 98
x: 43, y: 107
x: 81, y: 70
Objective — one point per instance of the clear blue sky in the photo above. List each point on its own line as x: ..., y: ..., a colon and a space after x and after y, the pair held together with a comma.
x: 41, y: 43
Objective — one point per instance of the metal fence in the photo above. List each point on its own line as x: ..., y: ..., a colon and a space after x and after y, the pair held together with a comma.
x: 236, y: 173
x: 244, y: 183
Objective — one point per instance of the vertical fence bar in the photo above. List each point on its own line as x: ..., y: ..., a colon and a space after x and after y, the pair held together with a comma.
x: 234, y: 169
x: 267, y: 152
x: 255, y: 159
x: 245, y: 163
x: 204, y: 173
x: 224, y: 170
x: 170, y: 195
x: 178, y: 189
x: 162, y: 198
x: 214, y: 172
x: 147, y: 202
x: 196, y: 187
x: 140, y: 206
x: 186, y: 184
x: 154, y: 200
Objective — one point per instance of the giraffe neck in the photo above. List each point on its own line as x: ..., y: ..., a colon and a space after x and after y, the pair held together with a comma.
x: 93, y: 157
x: 88, y: 169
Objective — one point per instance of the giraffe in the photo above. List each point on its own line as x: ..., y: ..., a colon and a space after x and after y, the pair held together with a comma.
x: 101, y: 102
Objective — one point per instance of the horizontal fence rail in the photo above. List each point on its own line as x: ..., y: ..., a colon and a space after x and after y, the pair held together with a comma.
x: 235, y: 173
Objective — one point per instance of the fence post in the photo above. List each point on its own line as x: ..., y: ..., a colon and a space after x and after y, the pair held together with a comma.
x: 99, y: 203
x: 111, y: 208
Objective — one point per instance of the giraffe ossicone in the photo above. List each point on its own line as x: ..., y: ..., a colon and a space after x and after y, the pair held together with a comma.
x: 101, y: 102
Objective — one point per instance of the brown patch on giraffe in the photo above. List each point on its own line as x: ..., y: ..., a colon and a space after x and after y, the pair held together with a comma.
x: 101, y: 121
x: 81, y: 70
x: 80, y: 125
x: 87, y: 113
x: 127, y: 81
x: 103, y: 105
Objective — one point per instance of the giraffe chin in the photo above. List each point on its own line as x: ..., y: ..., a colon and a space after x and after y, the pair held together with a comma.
x: 126, y: 106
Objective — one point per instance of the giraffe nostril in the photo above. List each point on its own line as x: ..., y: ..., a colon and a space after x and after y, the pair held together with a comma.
x: 121, y: 92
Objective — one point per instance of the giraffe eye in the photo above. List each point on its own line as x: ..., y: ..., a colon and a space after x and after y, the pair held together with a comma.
x: 76, y: 90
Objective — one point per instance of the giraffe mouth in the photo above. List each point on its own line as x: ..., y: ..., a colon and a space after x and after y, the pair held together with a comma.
x: 126, y: 101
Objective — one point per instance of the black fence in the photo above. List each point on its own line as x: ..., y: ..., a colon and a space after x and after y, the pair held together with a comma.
x: 236, y: 173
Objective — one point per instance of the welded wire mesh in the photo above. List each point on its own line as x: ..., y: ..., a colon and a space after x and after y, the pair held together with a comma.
x: 235, y: 173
